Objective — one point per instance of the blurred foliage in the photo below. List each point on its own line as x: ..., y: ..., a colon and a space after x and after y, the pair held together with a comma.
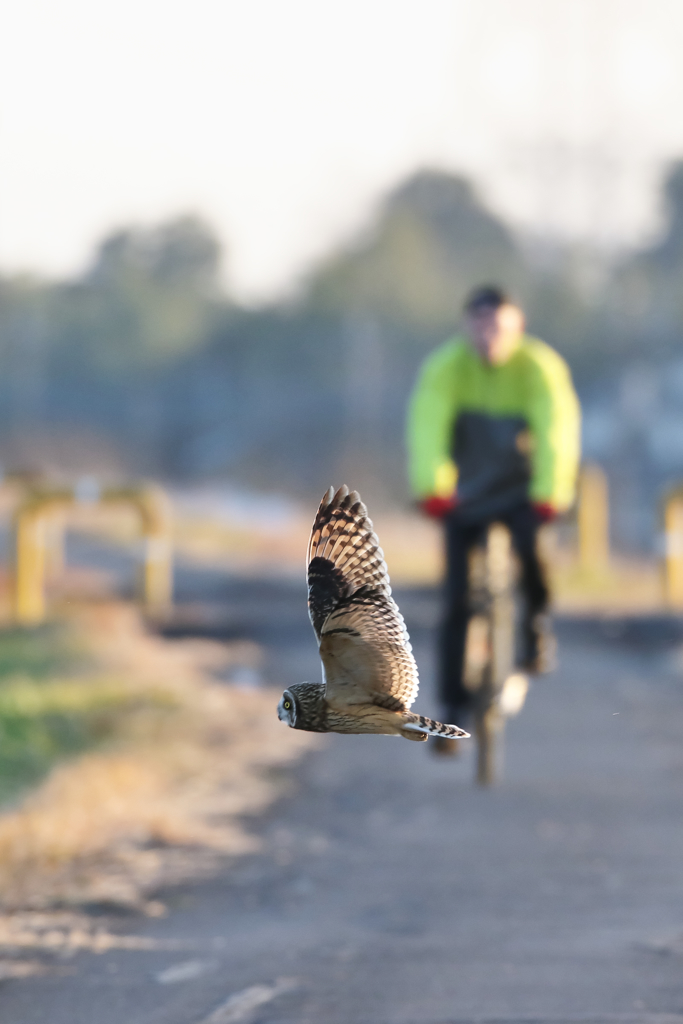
x: 145, y: 348
x: 37, y: 652
x: 431, y: 243
x: 148, y: 298
x: 642, y: 311
x: 51, y: 704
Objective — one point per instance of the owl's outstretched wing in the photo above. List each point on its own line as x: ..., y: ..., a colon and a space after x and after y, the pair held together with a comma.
x: 363, y: 640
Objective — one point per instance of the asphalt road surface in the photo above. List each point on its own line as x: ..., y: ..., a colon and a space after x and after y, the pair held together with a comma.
x: 391, y: 891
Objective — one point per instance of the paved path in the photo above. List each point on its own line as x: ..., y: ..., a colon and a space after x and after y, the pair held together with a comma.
x: 391, y: 891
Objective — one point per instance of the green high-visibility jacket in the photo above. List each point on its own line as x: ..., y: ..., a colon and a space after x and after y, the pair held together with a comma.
x: 501, y: 434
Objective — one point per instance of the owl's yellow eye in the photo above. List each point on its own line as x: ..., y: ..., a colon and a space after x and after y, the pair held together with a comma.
x: 287, y: 705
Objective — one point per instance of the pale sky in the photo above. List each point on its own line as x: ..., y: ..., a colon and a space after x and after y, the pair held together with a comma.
x: 283, y: 121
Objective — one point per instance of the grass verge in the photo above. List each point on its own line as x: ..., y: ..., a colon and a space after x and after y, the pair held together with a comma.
x: 148, y: 766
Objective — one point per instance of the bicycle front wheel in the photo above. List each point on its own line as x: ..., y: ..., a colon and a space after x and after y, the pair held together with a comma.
x: 488, y: 729
x: 489, y: 719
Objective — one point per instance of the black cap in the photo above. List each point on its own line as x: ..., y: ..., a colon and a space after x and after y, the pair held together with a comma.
x: 486, y: 297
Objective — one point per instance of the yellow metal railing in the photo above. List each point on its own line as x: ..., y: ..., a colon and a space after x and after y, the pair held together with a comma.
x: 36, y: 520
x: 672, y: 516
x: 593, y: 520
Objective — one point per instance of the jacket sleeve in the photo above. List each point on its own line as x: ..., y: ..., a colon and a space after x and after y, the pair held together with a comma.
x: 431, y: 413
x: 555, y: 422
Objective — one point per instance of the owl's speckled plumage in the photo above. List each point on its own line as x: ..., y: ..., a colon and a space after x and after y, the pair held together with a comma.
x: 369, y: 674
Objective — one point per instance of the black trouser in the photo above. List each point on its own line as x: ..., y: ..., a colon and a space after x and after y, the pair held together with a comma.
x: 461, y: 536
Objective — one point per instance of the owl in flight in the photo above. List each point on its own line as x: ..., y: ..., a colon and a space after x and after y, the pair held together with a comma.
x: 369, y: 673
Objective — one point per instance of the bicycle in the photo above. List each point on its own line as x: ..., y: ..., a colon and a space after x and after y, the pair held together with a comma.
x: 490, y: 652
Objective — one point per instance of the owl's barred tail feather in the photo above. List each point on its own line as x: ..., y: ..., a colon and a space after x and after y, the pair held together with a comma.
x: 428, y: 727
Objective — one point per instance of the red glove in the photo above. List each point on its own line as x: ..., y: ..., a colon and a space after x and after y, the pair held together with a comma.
x: 545, y: 513
x: 438, y: 508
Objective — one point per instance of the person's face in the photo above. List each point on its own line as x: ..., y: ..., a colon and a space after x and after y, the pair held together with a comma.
x: 494, y: 333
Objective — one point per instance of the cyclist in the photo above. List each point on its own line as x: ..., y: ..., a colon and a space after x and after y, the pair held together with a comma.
x: 493, y: 436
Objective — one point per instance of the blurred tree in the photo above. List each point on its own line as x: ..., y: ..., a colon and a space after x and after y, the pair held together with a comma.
x: 145, y: 348
x: 643, y: 305
x: 25, y: 344
x: 432, y: 241
x: 149, y: 298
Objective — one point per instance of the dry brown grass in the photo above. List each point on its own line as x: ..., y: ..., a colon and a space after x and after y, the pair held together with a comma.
x: 413, y: 548
x: 167, y: 797
x: 629, y: 586
x: 412, y: 545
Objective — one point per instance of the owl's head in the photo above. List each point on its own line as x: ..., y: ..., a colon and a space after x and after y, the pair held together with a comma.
x: 303, y: 707
x: 286, y: 709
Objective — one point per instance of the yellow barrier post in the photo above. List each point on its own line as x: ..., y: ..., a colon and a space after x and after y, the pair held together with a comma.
x: 54, y: 546
x: 673, y: 548
x: 593, y: 519
x: 29, y: 569
x: 157, y: 567
x: 39, y: 507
